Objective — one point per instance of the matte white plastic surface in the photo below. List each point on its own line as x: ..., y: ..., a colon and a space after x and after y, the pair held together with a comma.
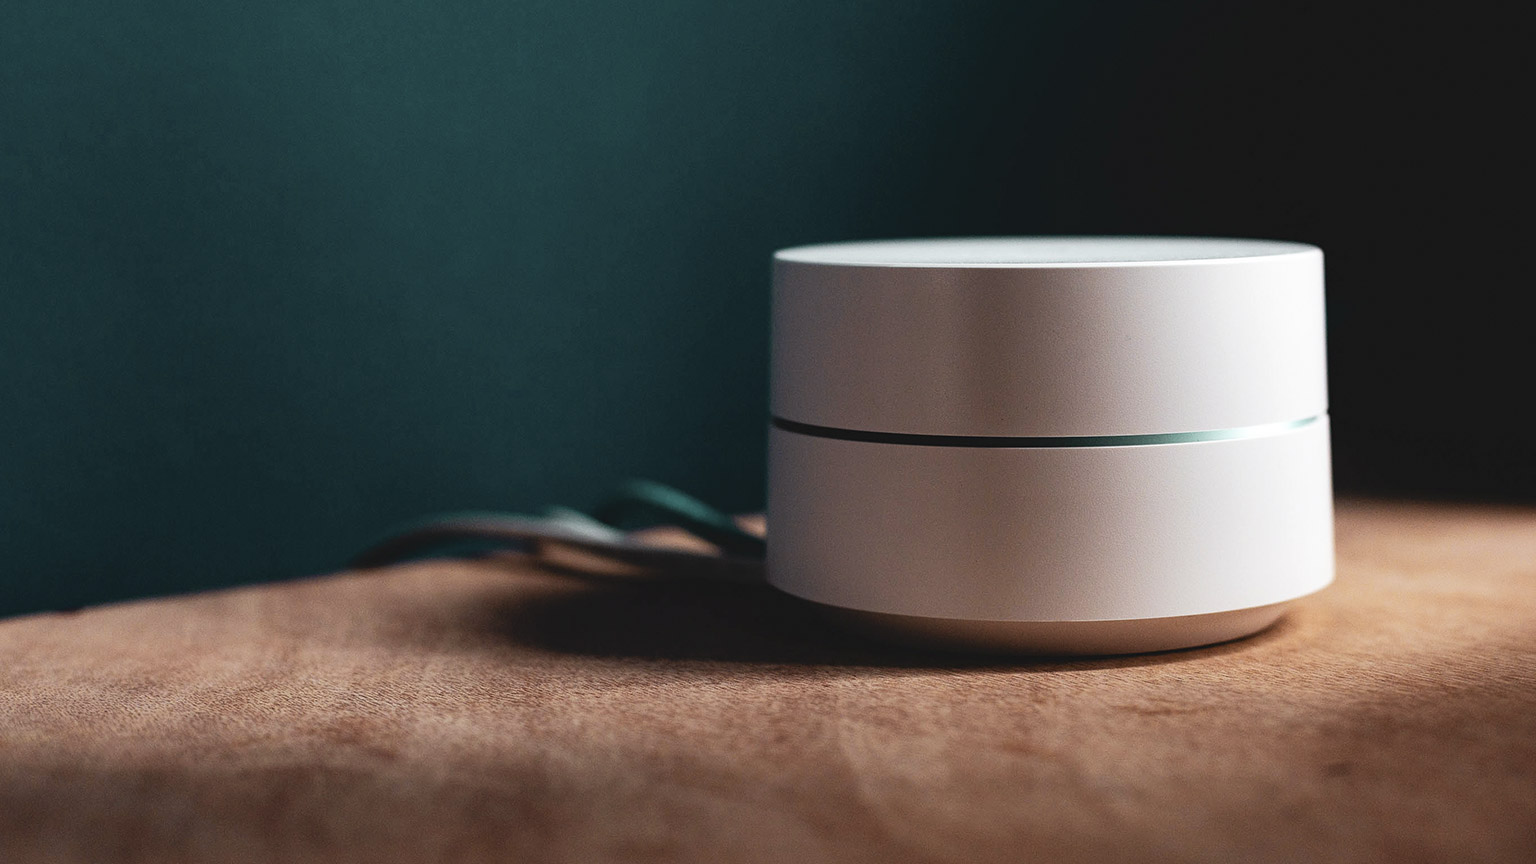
x: 1051, y: 444
x: 1048, y: 336
x: 1051, y: 534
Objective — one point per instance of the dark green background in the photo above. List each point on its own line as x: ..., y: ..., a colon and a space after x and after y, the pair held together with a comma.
x: 276, y: 276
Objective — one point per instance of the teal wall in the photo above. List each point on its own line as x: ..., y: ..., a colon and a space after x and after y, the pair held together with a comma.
x: 275, y: 276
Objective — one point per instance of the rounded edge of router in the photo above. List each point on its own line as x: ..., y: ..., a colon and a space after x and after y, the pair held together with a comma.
x: 1059, y: 638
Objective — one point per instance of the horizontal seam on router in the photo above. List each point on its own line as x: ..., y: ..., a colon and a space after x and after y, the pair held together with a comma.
x: 914, y: 438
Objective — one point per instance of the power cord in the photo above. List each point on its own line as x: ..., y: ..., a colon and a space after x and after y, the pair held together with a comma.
x: 606, y: 535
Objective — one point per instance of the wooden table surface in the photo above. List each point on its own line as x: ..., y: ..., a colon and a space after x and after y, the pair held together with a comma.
x: 491, y: 711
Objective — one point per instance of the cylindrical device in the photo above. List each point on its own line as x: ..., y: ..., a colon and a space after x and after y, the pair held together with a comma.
x: 1080, y: 445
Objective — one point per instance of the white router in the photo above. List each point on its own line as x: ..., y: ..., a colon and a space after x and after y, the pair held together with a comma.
x: 1083, y: 445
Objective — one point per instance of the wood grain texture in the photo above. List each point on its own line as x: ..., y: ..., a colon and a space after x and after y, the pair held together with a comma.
x: 489, y: 711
